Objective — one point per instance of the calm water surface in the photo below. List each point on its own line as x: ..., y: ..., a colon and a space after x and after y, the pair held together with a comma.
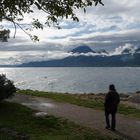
x: 75, y: 80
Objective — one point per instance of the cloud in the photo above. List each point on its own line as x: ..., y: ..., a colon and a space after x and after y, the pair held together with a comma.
x: 113, y: 17
x: 102, y: 27
x: 127, y: 48
x: 16, y: 57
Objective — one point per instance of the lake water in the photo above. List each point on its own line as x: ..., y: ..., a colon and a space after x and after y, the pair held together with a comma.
x: 75, y: 80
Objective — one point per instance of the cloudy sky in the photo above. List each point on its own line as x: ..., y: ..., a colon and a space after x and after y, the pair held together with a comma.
x: 103, y: 27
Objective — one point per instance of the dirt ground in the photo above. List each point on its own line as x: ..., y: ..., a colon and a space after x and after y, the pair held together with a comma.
x: 126, y: 127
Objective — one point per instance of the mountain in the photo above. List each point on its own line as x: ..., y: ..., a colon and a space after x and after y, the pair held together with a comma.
x: 131, y: 50
x: 89, y: 61
x: 82, y: 49
x: 102, y: 51
x: 84, y: 56
x: 125, y: 59
x: 126, y: 51
x: 137, y: 50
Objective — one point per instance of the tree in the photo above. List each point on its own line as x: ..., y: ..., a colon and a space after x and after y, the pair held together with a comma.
x: 4, y: 35
x: 15, y: 10
x: 7, y: 88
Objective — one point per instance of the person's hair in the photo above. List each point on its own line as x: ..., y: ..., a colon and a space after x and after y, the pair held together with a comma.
x: 112, y: 87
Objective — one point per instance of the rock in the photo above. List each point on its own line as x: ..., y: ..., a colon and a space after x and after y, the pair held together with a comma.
x: 135, y: 98
x: 138, y: 92
x: 122, y: 95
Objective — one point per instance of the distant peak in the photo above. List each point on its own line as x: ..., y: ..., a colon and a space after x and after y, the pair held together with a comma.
x: 102, y: 51
x: 126, y: 51
x: 137, y: 50
x: 82, y: 49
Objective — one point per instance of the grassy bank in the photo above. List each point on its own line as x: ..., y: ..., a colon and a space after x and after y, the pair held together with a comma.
x: 21, y: 119
x: 96, y: 103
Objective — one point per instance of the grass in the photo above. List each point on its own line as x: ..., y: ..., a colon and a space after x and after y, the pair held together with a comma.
x: 20, y: 118
x: 91, y: 103
x: 69, y: 98
x: 129, y: 111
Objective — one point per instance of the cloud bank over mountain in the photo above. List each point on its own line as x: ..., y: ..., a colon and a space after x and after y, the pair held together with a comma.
x: 16, y: 57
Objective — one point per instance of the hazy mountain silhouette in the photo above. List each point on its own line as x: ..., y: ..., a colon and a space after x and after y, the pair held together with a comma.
x: 102, y: 51
x: 82, y: 49
x: 126, y: 58
x: 137, y: 50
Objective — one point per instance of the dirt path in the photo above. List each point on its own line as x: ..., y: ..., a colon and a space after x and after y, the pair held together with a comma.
x: 126, y: 127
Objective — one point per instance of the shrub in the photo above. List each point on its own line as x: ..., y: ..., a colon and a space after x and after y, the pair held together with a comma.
x: 7, y: 88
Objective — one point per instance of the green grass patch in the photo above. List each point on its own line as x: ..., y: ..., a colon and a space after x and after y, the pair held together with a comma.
x: 129, y: 111
x: 91, y: 103
x: 69, y: 98
x: 21, y: 119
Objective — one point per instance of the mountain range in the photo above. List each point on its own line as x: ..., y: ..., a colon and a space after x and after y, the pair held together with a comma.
x: 86, y: 57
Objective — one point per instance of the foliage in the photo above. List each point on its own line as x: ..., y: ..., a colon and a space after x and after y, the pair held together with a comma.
x: 4, y: 35
x: 14, y: 11
x: 7, y: 87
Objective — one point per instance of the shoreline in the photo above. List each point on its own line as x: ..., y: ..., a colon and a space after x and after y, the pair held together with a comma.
x: 127, y: 99
x: 127, y: 93
x: 126, y: 107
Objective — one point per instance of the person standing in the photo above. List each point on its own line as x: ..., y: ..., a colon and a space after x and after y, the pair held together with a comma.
x: 112, y: 100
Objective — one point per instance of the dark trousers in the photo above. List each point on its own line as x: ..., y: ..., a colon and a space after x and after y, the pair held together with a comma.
x: 113, y: 119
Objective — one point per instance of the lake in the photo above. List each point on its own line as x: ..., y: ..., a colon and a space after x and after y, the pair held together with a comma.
x: 75, y: 79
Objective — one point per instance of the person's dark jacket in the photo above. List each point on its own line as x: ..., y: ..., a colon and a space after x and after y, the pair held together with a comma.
x: 112, y: 100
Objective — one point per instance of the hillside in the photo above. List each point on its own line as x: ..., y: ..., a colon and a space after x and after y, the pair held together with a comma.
x: 86, y: 57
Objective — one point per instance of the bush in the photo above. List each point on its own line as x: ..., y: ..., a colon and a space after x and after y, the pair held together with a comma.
x: 7, y: 88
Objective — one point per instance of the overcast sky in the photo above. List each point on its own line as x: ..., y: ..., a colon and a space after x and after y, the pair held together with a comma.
x: 103, y: 27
